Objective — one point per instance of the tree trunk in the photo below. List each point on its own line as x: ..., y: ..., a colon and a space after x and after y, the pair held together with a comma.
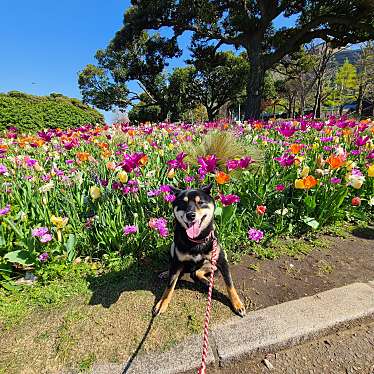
x: 289, y: 109
x: 302, y: 105
x: 255, y: 86
x: 317, y: 100
x: 360, y: 100
x: 293, y: 107
x: 211, y: 114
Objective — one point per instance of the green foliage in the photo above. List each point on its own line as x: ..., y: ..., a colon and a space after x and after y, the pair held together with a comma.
x: 143, y: 61
x: 58, y: 281
x: 346, y: 77
x: 213, y: 79
x: 31, y: 113
x: 142, y: 112
x: 343, y: 88
x: 98, y: 90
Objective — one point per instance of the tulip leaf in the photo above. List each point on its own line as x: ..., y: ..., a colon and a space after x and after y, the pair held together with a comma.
x: 228, y: 211
x: 310, y: 201
x: 218, y: 211
x: 311, y: 222
x: 19, y: 257
x: 70, y: 247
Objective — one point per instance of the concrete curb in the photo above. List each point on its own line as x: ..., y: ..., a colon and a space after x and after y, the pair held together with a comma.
x: 265, y: 330
x: 291, y: 323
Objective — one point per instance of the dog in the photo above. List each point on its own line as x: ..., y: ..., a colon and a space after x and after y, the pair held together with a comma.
x: 191, y: 251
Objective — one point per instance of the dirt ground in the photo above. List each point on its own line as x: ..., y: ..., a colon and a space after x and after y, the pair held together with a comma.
x: 338, y: 263
x: 110, y: 323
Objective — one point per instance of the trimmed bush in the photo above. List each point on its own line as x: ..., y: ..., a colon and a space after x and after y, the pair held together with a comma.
x: 30, y: 113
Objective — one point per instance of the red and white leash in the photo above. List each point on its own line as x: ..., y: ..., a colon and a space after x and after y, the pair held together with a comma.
x: 204, y: 354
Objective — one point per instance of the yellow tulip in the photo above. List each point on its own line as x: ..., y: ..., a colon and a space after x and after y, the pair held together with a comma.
x: 123, y: 177
x: 305, y: 171
x: 171, y: 174
x: 299, y: 160
x: 371, y: 170
x: 299, y: 184
x: 350, y: 165
x: 37, y: 167
x: 95, y: 192
x: 59, y: 222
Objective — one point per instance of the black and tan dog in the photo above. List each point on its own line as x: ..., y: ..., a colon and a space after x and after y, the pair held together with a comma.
x: 191, y: 250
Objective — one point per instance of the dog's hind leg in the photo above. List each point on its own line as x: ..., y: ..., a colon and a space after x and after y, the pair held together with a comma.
x: 223, y: 267
x: 162, y: 305
x: 164, y: 275
x: 199, y: 276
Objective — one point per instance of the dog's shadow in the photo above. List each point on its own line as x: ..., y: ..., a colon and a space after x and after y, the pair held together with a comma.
x: 107, y: 288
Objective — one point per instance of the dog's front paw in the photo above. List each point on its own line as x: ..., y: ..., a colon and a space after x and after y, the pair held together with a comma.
x: 159, y: 308
x: 239, y: 308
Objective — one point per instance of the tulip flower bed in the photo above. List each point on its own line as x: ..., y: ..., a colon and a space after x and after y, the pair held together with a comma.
x: 104, y: 191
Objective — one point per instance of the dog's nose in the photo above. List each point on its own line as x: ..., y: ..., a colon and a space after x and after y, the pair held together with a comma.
x: 191, y: 215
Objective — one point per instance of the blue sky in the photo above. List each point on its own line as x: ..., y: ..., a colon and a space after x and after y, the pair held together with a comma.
x: 44, y: 43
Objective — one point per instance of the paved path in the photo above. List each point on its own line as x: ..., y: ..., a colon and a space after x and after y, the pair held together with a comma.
x: 347, y: 352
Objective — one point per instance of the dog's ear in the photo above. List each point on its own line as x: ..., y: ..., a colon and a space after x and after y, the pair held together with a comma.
x: 207, y: 188
x: 175, y: 191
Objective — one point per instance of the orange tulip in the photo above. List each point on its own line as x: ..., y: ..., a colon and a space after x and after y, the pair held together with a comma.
x: 295, y: 148
x: 347, y: 132
x: 83, y: 156
x: 222, y: 178
x: 110, y: 165
x: 131, y: 132
x: 328, y: 130
x: 106, y: 153
x: 143, y: 160
x: 336, y: 162
x: 309, y: 182
x: 306, y: 183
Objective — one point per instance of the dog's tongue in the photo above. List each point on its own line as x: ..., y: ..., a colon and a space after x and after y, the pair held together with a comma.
x: 193, y: 231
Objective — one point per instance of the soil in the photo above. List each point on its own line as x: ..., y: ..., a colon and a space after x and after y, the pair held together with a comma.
x: 340, y: 262
x: 114, y: 320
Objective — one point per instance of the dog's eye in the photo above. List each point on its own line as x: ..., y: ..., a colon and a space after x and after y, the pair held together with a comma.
x: 202, y: 204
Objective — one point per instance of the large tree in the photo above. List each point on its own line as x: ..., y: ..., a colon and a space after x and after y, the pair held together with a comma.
x: 249, y: 24
x: 143, y: 61
x: 212, y: 79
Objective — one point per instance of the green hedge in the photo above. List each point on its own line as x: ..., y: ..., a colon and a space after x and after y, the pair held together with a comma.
x: 29, y: 113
